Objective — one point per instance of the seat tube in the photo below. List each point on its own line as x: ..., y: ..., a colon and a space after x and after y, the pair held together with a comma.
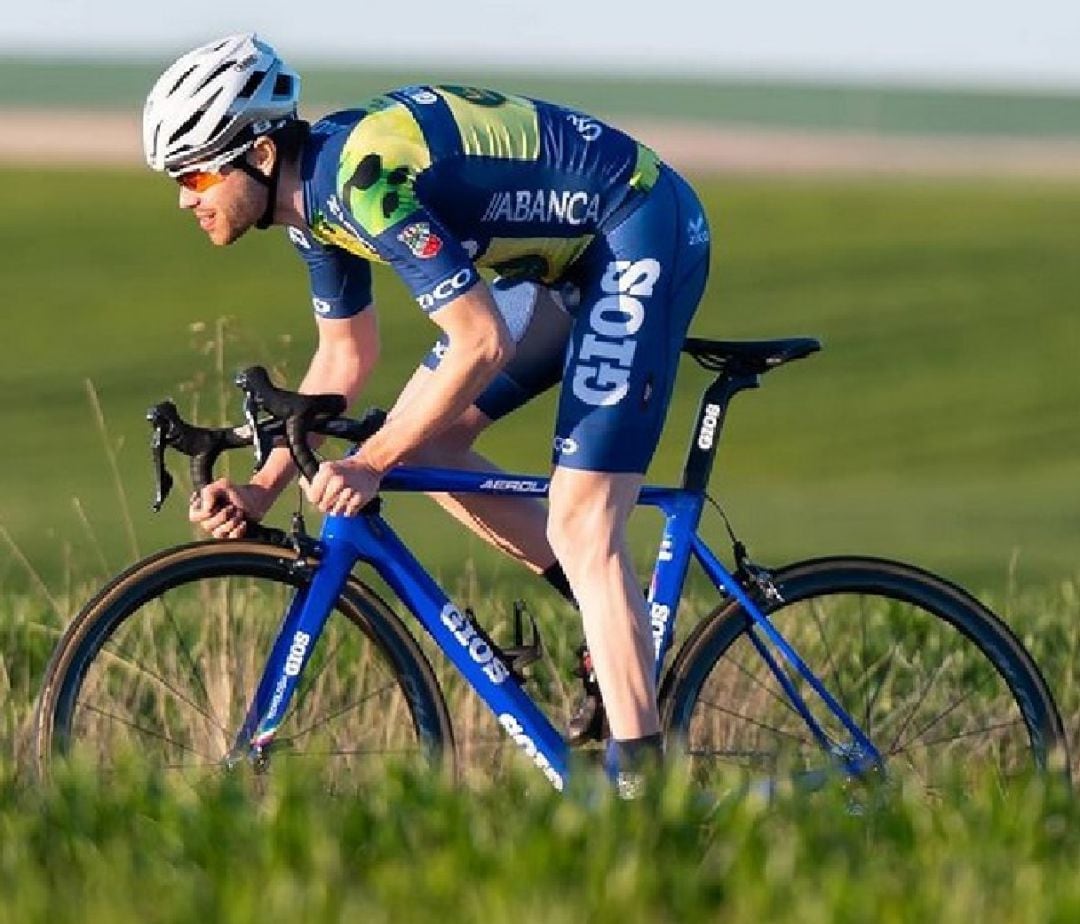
x: 669, y: 572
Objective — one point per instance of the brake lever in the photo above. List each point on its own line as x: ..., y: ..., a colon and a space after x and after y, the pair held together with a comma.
x: 163, y: 481
x: 260, y: 441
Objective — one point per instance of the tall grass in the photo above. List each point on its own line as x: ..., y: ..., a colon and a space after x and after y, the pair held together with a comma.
x: 408, y: 848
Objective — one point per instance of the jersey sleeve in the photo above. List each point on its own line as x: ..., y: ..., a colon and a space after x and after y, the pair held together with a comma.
x: 431, y: 262
x: 340, y: 281
x: 376, y: 183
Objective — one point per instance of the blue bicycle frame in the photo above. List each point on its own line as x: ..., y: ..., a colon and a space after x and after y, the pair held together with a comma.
x: 368, y: 538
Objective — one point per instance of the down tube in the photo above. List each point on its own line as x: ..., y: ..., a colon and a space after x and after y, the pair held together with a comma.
x: 453, y: 632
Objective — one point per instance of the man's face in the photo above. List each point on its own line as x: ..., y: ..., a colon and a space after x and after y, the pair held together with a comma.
x: 225, y: 203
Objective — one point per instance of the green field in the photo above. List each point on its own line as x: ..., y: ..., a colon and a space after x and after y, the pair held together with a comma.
x: 938, y: 425
x: 862, y: 107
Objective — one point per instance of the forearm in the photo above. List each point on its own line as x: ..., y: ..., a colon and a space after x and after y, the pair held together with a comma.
x: 460, y: 377
x: 340, y: 365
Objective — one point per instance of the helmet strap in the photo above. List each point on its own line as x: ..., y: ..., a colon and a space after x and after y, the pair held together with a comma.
x: 271, y: 184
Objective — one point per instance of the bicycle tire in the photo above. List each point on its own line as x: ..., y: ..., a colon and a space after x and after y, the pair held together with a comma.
x: 163, y: 661
x: 723, y: 708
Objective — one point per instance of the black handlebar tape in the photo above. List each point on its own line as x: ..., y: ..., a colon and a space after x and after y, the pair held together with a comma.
x: 202, y: 444
x: 301, y: 413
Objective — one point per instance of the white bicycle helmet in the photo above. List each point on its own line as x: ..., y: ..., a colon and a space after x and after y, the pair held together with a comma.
x: 211, y: 105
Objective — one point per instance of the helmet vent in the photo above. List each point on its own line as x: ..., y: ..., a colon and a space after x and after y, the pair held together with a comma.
x: 217, y: 72
x: 222, y: 122
x: 193, y: 120
x: 186, y: 127
x: 184, y: 76
x: 252, y: 85
x: 283, y: 85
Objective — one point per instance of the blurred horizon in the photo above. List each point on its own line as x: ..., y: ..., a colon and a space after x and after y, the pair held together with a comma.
x: 120, y: 84
x: 962, y: 44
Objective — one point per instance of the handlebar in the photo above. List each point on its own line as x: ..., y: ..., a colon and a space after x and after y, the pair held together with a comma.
x: 290, y: 418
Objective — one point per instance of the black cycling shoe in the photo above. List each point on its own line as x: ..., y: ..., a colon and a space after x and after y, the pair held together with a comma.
x: 588, y: 722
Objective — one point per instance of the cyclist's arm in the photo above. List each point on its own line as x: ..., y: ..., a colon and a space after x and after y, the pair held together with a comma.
x: 348, y: 344
x: 479, y: 345
x: 347, y: 351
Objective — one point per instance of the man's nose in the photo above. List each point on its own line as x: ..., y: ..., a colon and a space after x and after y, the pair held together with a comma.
x: 188, y: 198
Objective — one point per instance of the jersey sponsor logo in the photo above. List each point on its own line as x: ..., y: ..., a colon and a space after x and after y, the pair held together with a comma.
x: 517, y: 733
x: 478, y: 648
x: 421, y: 240
x: 333, y: 205
x: 321, y: 306
x: 472, y: 248
x: 602, y: 365
x: 708, y: 426
x: 299, y: 238
x: 446, y: 290
x: 697, y: 231
x: 587, y: 127
x: 546, y: 206
x: 566, y: 445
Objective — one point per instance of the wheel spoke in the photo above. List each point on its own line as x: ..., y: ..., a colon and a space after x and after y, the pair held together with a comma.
x: 762, y: 685
x: 195, y: 672
x: 142, y: 729
x: 338, y: 713
x: 159, y: 681
x: 913, y: 711
x: 757, y: 723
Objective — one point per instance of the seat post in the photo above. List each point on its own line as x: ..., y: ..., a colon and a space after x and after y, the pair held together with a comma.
x: 712, y: 412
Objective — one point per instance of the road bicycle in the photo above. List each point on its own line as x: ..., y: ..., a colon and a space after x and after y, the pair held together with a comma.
x: 247, y: 652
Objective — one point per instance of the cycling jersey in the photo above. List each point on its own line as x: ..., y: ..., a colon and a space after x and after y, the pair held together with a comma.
x: 438, y: 180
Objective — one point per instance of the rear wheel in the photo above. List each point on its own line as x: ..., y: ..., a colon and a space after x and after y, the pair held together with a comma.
x: 942, y: 687
x: 163, y: 663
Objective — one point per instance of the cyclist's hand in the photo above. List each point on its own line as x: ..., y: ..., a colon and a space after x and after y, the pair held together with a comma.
x: 224, y: 509
x: 342, y: 487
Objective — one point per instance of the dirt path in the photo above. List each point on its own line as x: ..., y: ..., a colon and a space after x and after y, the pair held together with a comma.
x: 65, y: 138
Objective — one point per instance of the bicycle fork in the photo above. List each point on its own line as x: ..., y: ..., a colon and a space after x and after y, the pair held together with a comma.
x: 304, y: 621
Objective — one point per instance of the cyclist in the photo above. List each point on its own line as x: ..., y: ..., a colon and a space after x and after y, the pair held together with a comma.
x: 600, y: 254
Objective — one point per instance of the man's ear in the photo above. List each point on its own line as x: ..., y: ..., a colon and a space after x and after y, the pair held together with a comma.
x: 264, y: 155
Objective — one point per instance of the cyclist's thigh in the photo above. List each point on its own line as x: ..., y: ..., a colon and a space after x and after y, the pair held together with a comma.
x: 640, y: 285
x: 540, y: 328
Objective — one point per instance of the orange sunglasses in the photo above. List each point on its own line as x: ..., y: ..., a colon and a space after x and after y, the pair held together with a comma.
x: 200, y: 180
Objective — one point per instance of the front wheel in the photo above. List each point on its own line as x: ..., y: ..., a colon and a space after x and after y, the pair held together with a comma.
x: 163, y: 663
x: 939, y: 684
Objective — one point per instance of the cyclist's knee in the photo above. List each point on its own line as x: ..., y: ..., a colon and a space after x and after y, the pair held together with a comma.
x: 587, y: 515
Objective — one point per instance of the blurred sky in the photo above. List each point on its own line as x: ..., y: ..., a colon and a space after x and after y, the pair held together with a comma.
x: 973, y: 42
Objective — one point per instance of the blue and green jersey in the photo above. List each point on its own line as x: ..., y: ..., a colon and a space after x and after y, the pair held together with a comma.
x: 439, y: 180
